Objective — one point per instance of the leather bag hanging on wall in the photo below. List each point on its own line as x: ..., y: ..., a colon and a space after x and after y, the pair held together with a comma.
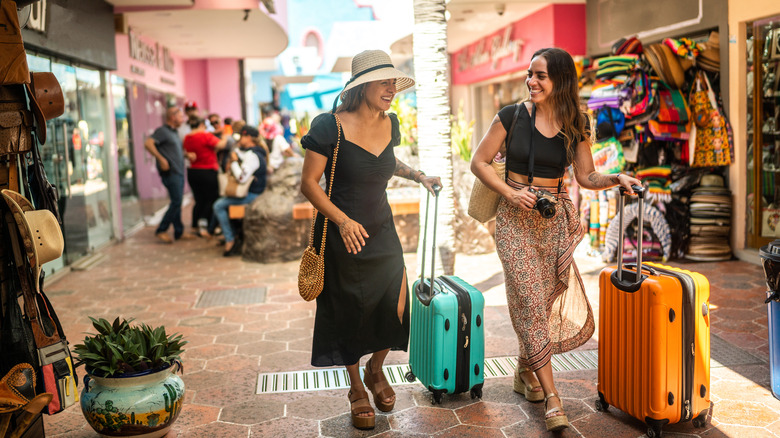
x: 36, y: 238
x: 13, y: 60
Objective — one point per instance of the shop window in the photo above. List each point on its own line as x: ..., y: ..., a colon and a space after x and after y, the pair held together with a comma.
x: 763, y: 131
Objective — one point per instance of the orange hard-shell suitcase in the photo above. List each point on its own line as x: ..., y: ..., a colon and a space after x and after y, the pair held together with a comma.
x: 654, y: 341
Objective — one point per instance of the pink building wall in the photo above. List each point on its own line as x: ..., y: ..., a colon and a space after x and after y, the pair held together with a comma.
x: 196, y: 72
x: 558, y: 25
x: 215, y: 85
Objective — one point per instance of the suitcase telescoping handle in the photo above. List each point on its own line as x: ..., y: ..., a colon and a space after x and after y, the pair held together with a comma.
x: 425, y: 296
x: 632, y: 281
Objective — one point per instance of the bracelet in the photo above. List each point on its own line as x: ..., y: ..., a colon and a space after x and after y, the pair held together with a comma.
x: 420, y: 174
x: 617, y: 178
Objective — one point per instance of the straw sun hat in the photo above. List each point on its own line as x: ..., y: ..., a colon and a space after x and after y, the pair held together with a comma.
x: 39, y: 229
x: 374, y: 65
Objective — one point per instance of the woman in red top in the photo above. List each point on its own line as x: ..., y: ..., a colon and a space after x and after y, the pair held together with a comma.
x: 201, y: 148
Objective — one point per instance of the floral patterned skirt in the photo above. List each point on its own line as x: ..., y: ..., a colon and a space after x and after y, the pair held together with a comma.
x: 547, y: 303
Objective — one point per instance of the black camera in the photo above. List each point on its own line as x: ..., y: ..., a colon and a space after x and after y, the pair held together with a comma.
x: 545, y: 202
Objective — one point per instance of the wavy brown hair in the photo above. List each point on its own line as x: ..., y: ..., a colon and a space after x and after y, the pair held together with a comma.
x: 564, y: 99
x: 351, y: 99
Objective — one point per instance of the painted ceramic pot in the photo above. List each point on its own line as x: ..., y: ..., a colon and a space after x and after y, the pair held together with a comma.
x: 140, y: 404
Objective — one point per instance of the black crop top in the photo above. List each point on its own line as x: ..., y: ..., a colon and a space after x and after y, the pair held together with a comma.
x: 548, y: 152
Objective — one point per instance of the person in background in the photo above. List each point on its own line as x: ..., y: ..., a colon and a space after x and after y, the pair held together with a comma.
x: 545, y: 295
x: 166, y: 147
x: 228, y: 126
x: 190, y: 110
x: 247, y: 162
x: 216, y: 124
x: 273, y: 133
x: 202, y: 148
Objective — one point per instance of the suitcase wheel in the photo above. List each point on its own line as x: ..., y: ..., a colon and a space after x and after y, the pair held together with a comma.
x: 701, y: 420
x: 410, y: 377
x: 476, y: 392
x: 654, y: 432
x: 601, y: 403
x: 437, y: 397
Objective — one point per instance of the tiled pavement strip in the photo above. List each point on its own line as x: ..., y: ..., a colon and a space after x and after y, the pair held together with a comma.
x: 230, y: 345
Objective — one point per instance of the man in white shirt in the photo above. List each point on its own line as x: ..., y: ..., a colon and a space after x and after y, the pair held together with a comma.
x: 248, y: 166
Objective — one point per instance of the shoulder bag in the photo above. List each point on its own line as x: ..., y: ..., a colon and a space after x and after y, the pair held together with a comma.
x: 229, y: 185
x: 483, y: 203
x: 311, y: 274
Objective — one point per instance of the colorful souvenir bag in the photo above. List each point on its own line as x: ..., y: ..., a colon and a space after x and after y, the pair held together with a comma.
x: 608, y: 156
x: 712, y: 142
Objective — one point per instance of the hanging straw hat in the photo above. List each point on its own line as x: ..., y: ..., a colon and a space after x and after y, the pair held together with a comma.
x: 374, y: 65
x: 666, y: 64
x: 40, y: 231
x: 709, y: 58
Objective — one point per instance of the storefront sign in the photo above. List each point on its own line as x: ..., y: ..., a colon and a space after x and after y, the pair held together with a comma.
x: 150, y: 54
x: 38, y: 13
x: 507, y: 50
x: 165, y: 80
x: 491, y: 49
x: 137, y: 70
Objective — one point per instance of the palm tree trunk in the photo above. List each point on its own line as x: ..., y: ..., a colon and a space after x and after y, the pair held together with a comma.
x: 432, y: 73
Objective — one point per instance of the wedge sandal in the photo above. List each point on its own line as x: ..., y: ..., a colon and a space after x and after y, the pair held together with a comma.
x: 554, y: 422
x: 358, y: 404
x: 377, y: 383
x: 531, y: 393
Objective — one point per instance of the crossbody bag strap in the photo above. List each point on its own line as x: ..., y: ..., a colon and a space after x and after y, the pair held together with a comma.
x: 531, y: 145
x: 330, y: 189
x: 509, y: 137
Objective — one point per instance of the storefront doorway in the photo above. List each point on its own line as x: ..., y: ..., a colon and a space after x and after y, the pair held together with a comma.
x: 763, y: 131
x: 75, y: 157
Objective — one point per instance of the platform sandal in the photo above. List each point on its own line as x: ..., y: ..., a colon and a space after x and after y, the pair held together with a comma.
x: 532, y: 393
x: 555, y: 422
x: 358, y: 404
x: 377, y: 383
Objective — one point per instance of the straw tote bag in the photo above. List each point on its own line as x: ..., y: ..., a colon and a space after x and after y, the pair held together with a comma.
x: 311, y: 274
x: 483, y: 203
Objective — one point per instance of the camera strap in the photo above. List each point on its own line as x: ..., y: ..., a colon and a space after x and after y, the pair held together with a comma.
x: 531, y: 155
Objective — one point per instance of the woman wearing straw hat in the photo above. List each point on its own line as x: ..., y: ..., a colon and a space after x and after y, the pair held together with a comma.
x: 546, y: 299
x: 364, y: 306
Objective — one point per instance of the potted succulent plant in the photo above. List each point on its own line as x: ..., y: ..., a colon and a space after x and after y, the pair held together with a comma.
x: 131, y: 387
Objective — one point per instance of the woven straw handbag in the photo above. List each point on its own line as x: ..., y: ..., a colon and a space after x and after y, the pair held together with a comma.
x: 483, y: 203
x: 311, y: 274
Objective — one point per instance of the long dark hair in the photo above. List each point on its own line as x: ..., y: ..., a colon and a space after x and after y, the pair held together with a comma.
x: 564, y: 99
x: 351, y: 99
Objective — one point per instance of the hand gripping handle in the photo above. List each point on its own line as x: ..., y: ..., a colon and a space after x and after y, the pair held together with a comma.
x: 633, y: 280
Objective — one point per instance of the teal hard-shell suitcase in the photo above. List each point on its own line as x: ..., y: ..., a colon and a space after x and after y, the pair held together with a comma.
x: 447, y: 342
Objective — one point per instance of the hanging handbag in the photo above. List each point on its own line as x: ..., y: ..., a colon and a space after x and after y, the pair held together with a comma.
x: 712, y: 142
x: 311, y: 273
x: 230, y: 187
x: 54, y: 364
x: 483, y: 203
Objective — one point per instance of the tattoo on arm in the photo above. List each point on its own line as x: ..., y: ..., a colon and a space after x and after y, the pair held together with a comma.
x: 403, y: 170
x: 600, y: 181
x: 495, y: 120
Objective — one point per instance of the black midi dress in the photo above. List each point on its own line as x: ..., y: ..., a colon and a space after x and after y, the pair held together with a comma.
x: 357, y: 311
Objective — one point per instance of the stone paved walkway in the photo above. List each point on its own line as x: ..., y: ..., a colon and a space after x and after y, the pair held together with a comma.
x: 229, y: 345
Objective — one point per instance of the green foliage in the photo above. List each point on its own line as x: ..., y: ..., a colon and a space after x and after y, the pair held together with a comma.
x: 119, y: 348
x: 460, y: 135
x: 407, y: 118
